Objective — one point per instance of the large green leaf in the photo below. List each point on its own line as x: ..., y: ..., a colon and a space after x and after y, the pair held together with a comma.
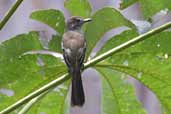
x: 103, y: 21
x: 159, y: 43
x: 78, y: 7
x: 149, y: 62
x: 55, y: 44
x: 53, y: 18
x: 117, y: 40
x: 21, y: 74
x: 118, y: 95
x: 53, y: 103
x: 126, y: 3
x: 151, y: 7
x: 150, y: 69
x: 156, y: 44
x: 18, y: 45
x: 148, y: 7
x: 25, y: 74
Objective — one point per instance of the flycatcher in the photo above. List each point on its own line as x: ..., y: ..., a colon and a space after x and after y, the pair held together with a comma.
x: 74, y: 48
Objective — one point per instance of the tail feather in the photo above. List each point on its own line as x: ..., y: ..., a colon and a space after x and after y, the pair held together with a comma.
x: 77, y: 95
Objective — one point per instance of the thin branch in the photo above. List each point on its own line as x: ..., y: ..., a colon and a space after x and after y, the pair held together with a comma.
x: 128, y: 44
x: 32, y: 95
x: 88, y: 64
x: 10, y: 13
x: 26, y: 108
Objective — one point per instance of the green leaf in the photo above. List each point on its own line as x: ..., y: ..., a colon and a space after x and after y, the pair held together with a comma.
x: 25, y: 74
x: 55, y: 44
x: 53, y: 103
x: 18, y: 45
x: 148, y: 7
x: 51, y: 17
x: 151, y: 7
x: 78, y: 7
x: 159, y: 43
x: 118, y: 95
x: 150, y: 69
x: 117, y: 40
x: 149, y: 62
x: 126, y: 3
x: 156, y: 44
x: 21, y: 74
x: 103, y: 21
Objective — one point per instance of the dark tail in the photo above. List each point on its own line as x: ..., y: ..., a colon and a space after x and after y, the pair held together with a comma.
x: 77, y: 94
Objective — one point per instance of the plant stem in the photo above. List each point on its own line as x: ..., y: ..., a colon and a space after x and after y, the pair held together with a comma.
x: 88, y: 64
x: 26, y: 108
x: 32, y: 95
x: 10, y: 13
x: 127, y: 44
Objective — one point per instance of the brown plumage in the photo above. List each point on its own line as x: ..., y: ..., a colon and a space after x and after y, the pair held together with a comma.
x: 73, y: 40
x: 74, y: 48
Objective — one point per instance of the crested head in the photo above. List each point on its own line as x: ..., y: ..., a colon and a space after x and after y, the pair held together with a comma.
x: 75, y: 23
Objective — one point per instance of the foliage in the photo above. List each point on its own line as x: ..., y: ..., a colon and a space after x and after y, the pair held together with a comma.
x: 55, y: 19
x: 126, y: 3
x: 25, y: 72
x: 107, y: 17
x: 83, y: 6
x: 120, y: 95
x: 148, y: 7
x: 149, y: 61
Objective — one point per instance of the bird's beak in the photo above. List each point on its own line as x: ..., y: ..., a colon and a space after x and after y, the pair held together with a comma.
x: 87, y: 20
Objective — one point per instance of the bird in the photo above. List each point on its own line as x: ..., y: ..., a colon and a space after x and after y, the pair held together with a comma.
x: 74, y: 49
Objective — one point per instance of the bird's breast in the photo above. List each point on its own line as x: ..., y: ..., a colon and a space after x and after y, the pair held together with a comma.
x: 73, y: 40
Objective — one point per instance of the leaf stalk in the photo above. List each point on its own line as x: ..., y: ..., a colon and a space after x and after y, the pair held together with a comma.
x: 10, y: 13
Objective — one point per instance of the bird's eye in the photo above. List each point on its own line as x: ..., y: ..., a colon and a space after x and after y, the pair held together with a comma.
x: 78, y: 20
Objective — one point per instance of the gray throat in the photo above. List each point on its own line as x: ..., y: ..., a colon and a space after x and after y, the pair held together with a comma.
x: 79, y: 30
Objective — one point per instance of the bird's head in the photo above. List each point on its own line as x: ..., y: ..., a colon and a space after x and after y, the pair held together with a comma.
x: 75, y: 23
